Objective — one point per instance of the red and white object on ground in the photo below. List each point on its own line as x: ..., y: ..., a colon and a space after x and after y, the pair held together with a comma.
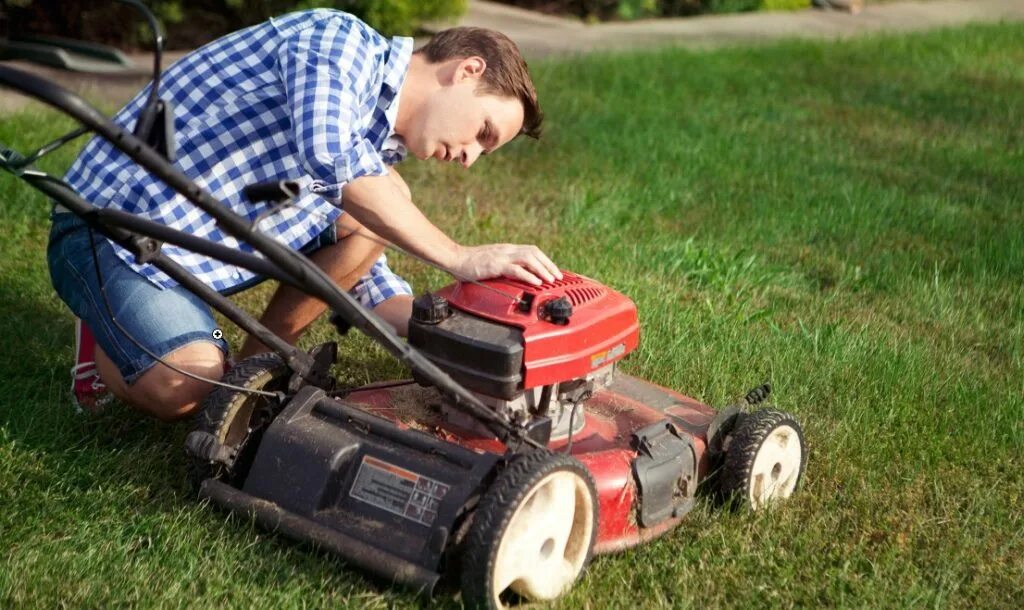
x: 88, y: 392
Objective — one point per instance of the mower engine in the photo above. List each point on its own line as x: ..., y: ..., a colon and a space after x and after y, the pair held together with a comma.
x: 528, y: 352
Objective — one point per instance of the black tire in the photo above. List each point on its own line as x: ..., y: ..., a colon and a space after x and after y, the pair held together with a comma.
x: 238, y: 419
x: 739, y: 483
x: 515, y: 486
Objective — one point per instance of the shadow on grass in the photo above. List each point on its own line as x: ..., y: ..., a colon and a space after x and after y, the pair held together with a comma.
x: 123, y: 461
x: 926, y: 153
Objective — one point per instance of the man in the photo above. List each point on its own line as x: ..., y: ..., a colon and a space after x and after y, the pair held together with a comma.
x: 316, y: 96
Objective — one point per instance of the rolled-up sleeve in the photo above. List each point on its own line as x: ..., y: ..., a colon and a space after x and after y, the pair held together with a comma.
x: 380, y: 284
x: 326, y: 71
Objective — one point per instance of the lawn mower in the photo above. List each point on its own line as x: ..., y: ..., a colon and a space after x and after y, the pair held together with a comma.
x: 515, y: 452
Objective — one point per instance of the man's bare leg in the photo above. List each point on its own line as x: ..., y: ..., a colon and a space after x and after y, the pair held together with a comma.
x: 290, y: 311
x: 162, y: 392
x: 396, y: 311
x: 169, y: 395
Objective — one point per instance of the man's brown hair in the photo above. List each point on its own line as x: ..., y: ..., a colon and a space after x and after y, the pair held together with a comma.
x: 506, y: 74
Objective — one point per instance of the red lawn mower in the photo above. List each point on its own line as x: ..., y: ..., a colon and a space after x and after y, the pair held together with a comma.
x: 515, y: 452
x: 404, y: 481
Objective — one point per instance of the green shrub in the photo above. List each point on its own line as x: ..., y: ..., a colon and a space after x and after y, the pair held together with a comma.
x: 635, y: 9
x: 732, y: 6
x: 403, y: 17
x: 391, y: 17
x: 191, y: 23
x: 784, y: 5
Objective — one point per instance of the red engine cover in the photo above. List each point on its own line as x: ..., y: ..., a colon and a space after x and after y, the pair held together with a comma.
x: 602, y: 329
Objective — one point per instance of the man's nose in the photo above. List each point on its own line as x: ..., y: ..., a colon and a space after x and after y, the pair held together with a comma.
x: 470, y: 154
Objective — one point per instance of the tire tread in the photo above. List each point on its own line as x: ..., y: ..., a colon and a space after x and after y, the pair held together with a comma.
x: 747, y: 438
x: 495, y: 512
x: 215, y: 410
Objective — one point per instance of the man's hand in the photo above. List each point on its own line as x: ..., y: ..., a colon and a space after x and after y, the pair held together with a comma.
x: 525, y: 263
x: 382, y: 204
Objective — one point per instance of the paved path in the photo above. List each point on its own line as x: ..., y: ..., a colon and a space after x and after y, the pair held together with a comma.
x: 542, y: 35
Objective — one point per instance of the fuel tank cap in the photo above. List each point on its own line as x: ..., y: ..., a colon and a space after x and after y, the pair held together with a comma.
x: 557, y: 311
x: 430, y: 309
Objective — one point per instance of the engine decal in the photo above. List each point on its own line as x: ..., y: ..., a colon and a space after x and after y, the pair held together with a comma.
x: 397, y: 490
x: 606, y: 356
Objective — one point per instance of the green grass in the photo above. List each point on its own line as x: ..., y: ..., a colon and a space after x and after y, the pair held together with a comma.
x: 843, y: 219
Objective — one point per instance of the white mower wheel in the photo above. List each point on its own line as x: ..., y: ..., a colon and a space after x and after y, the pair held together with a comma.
x: 235, y: 417
x: 532, y: 534
x: 765, y: 459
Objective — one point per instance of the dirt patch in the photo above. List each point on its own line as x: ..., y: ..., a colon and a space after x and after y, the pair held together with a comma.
x: 607, y: 406
x: 411, y: 405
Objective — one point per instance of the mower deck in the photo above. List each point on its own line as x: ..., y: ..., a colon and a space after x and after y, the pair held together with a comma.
x: 607, y: 445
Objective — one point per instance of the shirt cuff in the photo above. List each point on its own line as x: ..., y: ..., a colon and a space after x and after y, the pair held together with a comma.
x: 375, y: 289
x: 359, y: 160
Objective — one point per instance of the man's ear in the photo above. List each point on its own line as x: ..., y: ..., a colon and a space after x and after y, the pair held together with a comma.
x: 471, y: 68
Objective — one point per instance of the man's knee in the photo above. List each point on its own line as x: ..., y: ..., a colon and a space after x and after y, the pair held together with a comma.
x: 350, y: 229
x: 362, y: 244
x: 347, y: 225
x: 169, y: 395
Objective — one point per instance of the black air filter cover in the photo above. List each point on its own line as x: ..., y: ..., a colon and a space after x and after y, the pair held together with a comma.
x: 483, y: 356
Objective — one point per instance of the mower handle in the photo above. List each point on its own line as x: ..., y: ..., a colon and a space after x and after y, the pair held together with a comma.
x: 311, y: 278
x: 275, y: 191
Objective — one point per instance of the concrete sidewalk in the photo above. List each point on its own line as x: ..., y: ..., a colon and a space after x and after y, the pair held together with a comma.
x: 541, y: 35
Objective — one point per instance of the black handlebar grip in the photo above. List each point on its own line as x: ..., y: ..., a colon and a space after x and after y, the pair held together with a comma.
x: 277, y: 190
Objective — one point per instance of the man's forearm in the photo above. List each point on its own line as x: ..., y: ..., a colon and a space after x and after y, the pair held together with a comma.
x: 400, y: 182
x: 380, y: 203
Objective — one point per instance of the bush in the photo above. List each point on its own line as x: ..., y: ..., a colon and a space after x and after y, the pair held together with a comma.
x: 390, y: 17
x: 733, y: 6
x: 191, y: 23
x: 784, y: 5
x: 404, y: 17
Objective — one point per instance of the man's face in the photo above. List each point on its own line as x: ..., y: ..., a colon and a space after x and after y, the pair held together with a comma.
x: 458, y: 124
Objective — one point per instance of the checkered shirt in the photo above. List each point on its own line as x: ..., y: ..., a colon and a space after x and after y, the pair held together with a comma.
x: 310, y: 96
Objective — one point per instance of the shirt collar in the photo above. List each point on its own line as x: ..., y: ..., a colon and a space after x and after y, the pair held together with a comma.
x: 395, y: 69
x: 397, y: 64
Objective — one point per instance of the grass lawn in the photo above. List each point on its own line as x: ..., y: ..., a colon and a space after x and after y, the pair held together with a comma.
x: 842, y: 219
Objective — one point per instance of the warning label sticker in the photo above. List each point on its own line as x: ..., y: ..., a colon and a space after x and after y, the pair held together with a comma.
x: 608, y: 355
x: 397, y: 490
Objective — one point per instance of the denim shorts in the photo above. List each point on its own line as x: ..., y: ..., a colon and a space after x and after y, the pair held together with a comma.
x: 161, y: 319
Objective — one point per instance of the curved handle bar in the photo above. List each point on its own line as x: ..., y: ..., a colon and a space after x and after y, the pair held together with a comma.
x: 310, y: 277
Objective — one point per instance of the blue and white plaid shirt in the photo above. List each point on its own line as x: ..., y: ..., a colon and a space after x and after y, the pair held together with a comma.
x: 310, y: 96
